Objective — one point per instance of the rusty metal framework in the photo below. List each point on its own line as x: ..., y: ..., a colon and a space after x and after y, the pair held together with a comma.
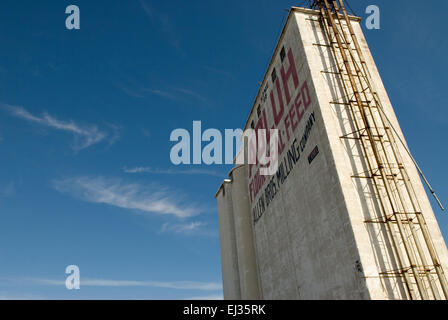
x: 408, y: 232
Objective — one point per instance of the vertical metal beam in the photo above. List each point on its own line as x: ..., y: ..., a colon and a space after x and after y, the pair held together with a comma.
x: 403, y: 171
x: 401, y: 197
x: 397, y: 198
x: 395, y: 242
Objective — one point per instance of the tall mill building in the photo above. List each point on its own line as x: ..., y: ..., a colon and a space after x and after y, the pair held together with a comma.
x: 346, y: 215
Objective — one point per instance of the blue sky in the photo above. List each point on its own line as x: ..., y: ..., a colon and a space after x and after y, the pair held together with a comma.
x: 86, y: 116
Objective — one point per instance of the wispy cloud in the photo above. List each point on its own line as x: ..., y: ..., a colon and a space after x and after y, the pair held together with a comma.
x: 115, y: 192
x: 191, y: 93
x: 173, y: 171
x: 177, y: 94
x: 164, y: 23
x: 163, y: 94
x: 129, y: 91
x: 176, y: 285
x: 84, y: 135
x: 116, y: 132
x: 219, y: 71
x: 183, y: 228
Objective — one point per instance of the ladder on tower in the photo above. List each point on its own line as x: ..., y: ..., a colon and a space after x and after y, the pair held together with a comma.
x: 408, y: 232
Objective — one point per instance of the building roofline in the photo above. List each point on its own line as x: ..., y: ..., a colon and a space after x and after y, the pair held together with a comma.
x: 292, y: 10
x: 226, y: 181
x: 274, y: 54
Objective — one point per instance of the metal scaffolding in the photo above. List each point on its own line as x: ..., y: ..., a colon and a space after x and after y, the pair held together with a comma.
x: 419, y: 265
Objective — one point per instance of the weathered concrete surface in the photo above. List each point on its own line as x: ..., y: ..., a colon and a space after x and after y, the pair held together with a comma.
x: 229, y: 255
x: 310, y: 230
x: 247, y: 266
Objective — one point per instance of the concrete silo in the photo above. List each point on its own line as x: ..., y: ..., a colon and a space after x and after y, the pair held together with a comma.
x: 346, y: 215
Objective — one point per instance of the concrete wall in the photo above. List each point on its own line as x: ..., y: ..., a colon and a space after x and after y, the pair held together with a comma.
x: 247, y: 266
x: 305, y: 243
x: 374, y: 245
x: 239, y: 267
x: 311, y: 222
x: 229, y: 254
